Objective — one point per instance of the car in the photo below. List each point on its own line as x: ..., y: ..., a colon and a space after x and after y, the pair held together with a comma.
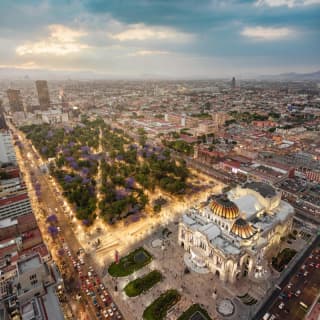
x: 281, y: 305
x: 105, y: 313
x: 289, y: 285
x: 306, y: 273
x: 110, y: 312
x: 317, y: 265
x: 298, y: 292
x: 282, y: 295
x: 101, y: 286
x: 88, y: 292
x: 273, y: 317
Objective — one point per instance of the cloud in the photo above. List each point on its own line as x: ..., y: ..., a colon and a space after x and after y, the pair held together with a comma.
x: 267, y: 33
x: 142, y: 32
x: 61, y: 41
x: 147, y: 53
x: 25, y: 66
x: 288, y: 3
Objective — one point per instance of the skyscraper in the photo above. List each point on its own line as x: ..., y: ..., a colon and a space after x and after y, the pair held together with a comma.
x: 233, y: 83
x: 43, y: 94
x: 7, y: 153
x: 15, y: 100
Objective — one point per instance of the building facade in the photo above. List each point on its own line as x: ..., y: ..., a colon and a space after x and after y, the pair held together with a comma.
x: 7, y: 153
x: 43, y: 94
x: 15, y: 100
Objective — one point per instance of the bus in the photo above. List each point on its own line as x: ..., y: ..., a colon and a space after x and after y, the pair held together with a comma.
x: 303, y: 306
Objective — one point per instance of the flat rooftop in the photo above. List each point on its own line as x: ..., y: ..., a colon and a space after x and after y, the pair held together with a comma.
x: 8, y: 222
x: 264, y: 189
x: 29, y: 263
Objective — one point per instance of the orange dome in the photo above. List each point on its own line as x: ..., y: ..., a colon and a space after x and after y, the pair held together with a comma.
x: 224, y: 208
x: 243, y: 229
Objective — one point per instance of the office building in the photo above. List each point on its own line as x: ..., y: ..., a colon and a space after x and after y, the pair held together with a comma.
x: 15, y: 100
x: 233, y: 83
x: 43, y: 94
x: 7, y: 153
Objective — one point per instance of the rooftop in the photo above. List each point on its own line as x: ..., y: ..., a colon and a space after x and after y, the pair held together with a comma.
x: 8, y: 222
x: 264, y: 189
x: 248, y: 205
x: 29, y: 263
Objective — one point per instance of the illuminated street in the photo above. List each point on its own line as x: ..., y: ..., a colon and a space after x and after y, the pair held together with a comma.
x: 52, y: 203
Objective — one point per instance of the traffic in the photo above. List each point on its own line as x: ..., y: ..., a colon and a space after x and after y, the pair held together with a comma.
x: 297, y: 296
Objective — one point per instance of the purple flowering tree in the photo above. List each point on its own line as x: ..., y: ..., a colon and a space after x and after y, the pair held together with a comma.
x: 86, y: 222
x: 130, y: 182
x: 68, y: 178
x: 53, y: 231
x: 52, y: 218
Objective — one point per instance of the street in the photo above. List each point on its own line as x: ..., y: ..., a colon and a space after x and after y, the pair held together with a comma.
x: 85, y: 280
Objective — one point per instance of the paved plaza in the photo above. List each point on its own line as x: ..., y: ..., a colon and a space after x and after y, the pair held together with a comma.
x: 169, y: 258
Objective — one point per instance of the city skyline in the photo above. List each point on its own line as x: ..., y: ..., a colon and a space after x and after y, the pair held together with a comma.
x: 160, y: 39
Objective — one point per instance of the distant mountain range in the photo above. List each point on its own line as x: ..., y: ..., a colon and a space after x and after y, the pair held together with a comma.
x: 293, y: 76
x: 34, y: 74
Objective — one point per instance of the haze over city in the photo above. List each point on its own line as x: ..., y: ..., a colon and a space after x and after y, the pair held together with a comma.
x: 159, y: 38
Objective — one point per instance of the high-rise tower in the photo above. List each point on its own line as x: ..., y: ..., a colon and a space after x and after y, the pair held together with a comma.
x: 233, y: 83
x: 15, y: 100
x: 43, y: 94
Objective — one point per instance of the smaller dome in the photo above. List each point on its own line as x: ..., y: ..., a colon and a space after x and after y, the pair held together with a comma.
x: 224, y: 208
x: 242, y: 229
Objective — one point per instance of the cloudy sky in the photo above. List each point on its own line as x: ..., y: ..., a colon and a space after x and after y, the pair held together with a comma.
x: 165, y: 38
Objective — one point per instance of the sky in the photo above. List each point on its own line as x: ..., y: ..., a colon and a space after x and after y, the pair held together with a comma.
x: 161, y: 38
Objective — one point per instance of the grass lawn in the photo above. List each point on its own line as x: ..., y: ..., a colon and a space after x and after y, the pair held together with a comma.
x: 158, y: 309
x: 194, y: 311
x: 283, y: 258
x: 140, y: 285
x: 132, y: 262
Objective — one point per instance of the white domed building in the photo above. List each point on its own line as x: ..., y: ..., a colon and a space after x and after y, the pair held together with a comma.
x: 231, y: 234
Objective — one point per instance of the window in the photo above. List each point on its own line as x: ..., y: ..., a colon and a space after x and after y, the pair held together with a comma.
x: 33, y: 276
x: 33, y: 282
